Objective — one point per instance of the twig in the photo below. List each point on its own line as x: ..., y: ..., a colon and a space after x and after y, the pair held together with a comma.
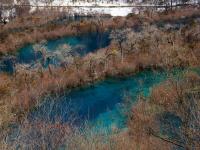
x: 167, y: 140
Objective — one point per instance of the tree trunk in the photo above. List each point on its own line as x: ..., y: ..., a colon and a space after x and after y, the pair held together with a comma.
x: 50, y: 70
x: 121, y: 51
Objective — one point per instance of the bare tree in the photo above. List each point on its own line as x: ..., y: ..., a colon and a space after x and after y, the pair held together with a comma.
x: 6, y: 9
x: 120, y: 36
x: 23, y: 7
x: 64, y: 54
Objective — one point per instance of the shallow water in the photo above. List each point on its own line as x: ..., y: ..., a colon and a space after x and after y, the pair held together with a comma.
x: 104, y: 106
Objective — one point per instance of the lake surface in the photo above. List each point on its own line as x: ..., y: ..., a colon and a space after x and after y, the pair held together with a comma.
x: 80, y: 45
x: 104, y: 105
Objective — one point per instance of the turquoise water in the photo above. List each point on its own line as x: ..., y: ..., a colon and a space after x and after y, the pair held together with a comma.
x: 80, y: 45
x: 104, y: 105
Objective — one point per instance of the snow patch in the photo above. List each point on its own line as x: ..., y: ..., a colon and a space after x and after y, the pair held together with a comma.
x: 117, y: 8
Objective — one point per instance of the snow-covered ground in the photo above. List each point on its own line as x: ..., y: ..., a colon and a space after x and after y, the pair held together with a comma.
x: 85, y: 3
x: 99, y: 6
x: 113, y: 8
x: 116, y: 11
x: 116, y: 8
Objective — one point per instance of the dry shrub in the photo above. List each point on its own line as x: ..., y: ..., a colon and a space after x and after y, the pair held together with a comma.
x: 28, y: 87
x: 5, y: 83
x: 6, y: 114
x: 4, y: 146
x: 144, y: 115
x: 180, y: 98
x: 40, y: 135
x: 50, y: 31
x: 170, y: 94
x: 192, y: 79
x: 177, y: 14
x: 141, y: 123
x: 164, y: 95
x: 76, y: 78
x: 125, y: 68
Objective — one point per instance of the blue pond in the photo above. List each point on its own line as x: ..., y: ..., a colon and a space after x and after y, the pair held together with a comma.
x: 81, y: 45
x: 103, y: 105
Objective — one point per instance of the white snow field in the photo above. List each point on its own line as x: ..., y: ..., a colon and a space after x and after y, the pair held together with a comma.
x: 111, y: 7
x: 116, y: 8
x: 88, y: 7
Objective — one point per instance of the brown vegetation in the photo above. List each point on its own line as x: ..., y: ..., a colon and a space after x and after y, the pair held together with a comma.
x: 31, y: 29
x: 151, y: 48
x: 18, y: 34
x: 180, y: 98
